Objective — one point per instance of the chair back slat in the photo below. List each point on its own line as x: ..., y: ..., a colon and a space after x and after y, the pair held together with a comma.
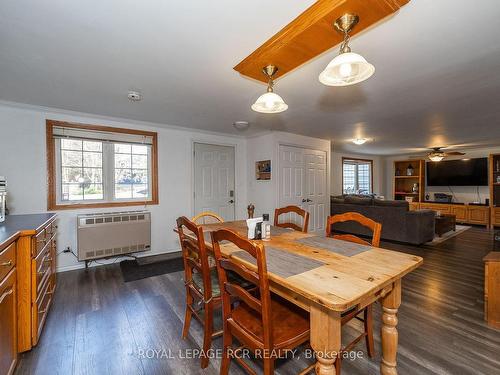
x: 375, y: 227
x: 261, y: 301
x: 292, y: 209
x: 240, y: 293
x: 207, y: 217
x: 194, y: 253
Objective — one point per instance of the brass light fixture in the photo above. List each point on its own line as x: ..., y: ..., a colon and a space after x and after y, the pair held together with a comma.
x: 348, y: 68
x: 270, y: 102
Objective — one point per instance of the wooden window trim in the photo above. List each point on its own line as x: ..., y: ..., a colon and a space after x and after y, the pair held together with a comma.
x: 344, y: 158
x: 52, y: 204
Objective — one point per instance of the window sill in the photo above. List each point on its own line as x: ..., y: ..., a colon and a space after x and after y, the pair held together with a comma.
x: 78, y: 206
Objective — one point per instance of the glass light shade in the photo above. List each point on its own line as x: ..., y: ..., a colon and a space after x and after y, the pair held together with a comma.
x: 359, y: 141
x: 436, y: 157
x: 346, y: 69
x: 269, y: 103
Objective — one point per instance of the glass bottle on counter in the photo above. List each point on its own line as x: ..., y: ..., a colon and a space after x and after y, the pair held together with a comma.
x: 266, y: 228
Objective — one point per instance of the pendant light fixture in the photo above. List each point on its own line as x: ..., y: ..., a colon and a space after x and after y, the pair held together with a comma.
x: 348, y: 68
x: 270, y: 102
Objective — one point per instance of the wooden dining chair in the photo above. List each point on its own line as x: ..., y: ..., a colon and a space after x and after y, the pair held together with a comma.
x: 202, y: 283
x: 289, y: 209
x: 207, y: 217
x: 347, y: 316
x: 260, y: 320
x: 375, y: 227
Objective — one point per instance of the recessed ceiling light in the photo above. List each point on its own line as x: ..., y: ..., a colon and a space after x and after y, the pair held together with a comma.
x: 359, y: 141
x: 241, y: 125
x: 134, y: 96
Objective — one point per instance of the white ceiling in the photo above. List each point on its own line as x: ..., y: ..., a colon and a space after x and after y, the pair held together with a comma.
x: 437, y: 82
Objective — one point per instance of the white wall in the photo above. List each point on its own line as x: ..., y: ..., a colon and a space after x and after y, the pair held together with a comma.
x: 264, y: 194
x: 336, y: 171
x: 23, y: 162
x: 463, y: 194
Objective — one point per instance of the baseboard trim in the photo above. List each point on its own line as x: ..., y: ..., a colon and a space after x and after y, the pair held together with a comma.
x: 105, y: 262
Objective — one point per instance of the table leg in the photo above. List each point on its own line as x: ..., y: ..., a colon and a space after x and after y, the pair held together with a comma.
x: 325, y: 338
x: 389, y: 333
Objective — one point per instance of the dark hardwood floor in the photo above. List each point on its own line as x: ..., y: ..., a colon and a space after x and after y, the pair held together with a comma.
x: 101, y: 325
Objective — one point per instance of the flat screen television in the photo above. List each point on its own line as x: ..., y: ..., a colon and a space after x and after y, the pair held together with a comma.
x: 464, y: 172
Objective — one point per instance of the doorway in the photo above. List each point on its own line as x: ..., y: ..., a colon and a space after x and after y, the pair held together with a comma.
x: 214, y: 180
x: 302, y: 182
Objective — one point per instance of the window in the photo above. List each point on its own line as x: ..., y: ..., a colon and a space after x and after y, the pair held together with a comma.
x: 357, y: 176
x: 96, y: 166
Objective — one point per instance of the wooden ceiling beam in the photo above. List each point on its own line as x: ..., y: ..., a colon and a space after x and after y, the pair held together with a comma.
x: 312, y: 33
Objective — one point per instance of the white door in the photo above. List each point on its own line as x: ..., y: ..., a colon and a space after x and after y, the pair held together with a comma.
x: 302, y: 182
x: 214, y: 180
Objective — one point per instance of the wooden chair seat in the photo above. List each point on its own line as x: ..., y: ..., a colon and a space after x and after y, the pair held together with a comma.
x: 214, y: 280
x: 289, y: 322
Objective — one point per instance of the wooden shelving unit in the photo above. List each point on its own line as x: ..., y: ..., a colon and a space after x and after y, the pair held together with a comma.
x: 403, y: 182
x: 494, y: 182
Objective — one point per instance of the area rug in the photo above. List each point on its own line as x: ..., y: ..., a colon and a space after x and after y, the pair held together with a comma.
x: 448, y: 235
x: 132, y: 270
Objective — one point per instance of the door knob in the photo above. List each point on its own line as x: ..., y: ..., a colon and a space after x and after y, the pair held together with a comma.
x: 231, y: 201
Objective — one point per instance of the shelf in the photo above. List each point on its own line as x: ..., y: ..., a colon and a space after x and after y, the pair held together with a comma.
x: 406, y: 176
x: 402, y: 193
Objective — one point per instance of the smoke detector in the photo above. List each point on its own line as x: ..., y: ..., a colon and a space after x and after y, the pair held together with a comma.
x: 134, y: 96
x: 241, y: 125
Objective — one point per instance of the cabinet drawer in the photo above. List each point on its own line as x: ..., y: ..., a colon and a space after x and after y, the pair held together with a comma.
x: 7, y: 260
x: 8, y: 324
x: 42, y: 265
x: 443, y: 208
x: 40, y: 310
x: 39, y: 242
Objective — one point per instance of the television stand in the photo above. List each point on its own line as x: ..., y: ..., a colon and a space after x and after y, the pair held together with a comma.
x: 478, y: 214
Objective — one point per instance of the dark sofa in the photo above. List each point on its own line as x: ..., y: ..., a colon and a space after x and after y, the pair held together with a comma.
x: 398, y: 223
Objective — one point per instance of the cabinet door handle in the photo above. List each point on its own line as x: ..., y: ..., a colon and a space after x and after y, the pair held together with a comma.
x: 6, y: 264
x: 6, y: 294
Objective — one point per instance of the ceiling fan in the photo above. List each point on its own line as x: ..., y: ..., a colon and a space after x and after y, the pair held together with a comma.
x: 437, y: 154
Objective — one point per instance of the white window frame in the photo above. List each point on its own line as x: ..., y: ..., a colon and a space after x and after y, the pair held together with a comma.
x: 108, y: 176
x: 357, y: 163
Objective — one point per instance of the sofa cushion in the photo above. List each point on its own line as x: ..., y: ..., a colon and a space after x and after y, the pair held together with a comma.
x: 337, y: 199
x: 384, y: 203
x: 357, y: 200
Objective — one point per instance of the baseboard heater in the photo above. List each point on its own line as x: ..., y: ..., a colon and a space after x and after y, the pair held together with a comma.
x: 104, y: 235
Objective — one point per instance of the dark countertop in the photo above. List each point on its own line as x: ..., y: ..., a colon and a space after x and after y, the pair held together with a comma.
x: 15, y: 225
x: 494, y: 256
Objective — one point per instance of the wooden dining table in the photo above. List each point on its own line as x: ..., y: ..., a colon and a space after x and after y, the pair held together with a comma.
x: 326, y: 277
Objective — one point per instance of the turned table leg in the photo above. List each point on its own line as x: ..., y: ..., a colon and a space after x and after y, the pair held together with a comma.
x: 325, y: 338
x: 389, y: 333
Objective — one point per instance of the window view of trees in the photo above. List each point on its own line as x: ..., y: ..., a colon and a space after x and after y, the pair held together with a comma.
x: 131, y: 171
x: 81, y: 170
x: 93, y: 170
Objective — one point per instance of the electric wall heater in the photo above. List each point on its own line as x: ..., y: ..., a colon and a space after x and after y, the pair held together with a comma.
x: 103, y: 235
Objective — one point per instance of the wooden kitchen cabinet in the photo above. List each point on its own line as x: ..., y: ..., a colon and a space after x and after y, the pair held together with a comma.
x: 492, y: 289
x: 8, y: 310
